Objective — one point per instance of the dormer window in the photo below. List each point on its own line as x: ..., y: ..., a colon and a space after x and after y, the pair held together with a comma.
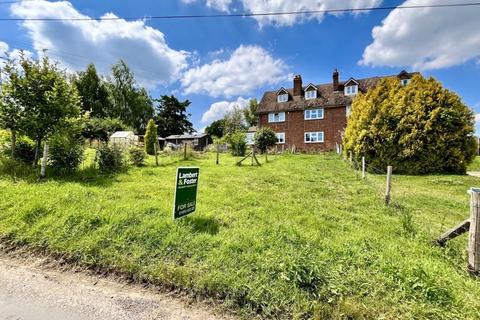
x: 351, y: 90
x: 351, y: 87
x: 311, y: 94
x: 283, y: 97
x: 404, y: 82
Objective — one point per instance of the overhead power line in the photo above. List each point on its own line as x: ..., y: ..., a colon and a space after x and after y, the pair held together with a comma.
x: 246, y: 14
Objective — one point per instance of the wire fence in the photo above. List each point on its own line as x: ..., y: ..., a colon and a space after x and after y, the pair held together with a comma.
x: 435, y: 202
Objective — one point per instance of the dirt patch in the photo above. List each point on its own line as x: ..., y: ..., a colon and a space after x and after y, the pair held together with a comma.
x: 36, y: 288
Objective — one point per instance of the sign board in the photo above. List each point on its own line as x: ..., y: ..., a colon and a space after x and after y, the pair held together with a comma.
x: 186, y: 184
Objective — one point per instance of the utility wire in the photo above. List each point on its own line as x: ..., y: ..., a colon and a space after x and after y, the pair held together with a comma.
x: 243, y: 15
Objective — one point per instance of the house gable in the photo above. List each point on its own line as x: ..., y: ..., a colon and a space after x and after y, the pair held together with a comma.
x: 350, y: 82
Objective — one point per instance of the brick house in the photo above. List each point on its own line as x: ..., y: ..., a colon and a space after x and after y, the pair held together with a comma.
x: 313, y: 117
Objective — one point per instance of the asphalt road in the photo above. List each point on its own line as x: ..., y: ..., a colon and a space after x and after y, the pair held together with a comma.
x: 31, y: 290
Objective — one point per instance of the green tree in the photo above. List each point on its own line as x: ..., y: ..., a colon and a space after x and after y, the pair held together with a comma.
x: 250, y: 113
x: 10, y: 111
x: 45, y: 97
x: 234, y: 121
x: 102, y: 128
x: 216, y: 128
x: 130, y: 104
x: 151, y: 137
x: 94, y: 93
x: 418, y: 128
x: 238, y: 143
x: 265, y: 138
x: 172, y: 116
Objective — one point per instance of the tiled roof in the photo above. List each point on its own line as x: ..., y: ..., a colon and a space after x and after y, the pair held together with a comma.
x: 326, y: 97
x: 186, y: 136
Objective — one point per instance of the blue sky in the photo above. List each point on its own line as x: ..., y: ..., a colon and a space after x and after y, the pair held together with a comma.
x: 218, y: 63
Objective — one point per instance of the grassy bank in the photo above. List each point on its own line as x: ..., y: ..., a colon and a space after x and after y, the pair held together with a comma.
x: 301, y: 236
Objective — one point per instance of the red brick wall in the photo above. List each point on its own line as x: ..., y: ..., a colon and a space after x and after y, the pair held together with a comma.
x: 295, y: 126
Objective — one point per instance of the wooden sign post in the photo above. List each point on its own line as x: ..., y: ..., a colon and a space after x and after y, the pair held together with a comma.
x: 155, y: 149
x: 474, y: 232
x: 363, y: 167
x: 389, y: 185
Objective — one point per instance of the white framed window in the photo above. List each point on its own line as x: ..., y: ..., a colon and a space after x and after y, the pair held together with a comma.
x: 276, y: 117
x: 404, y: 82
x: 280, y: 137
x: 310, y: 94
x: 313, y: 137
x: 312, y: 114
x: 195, y: 142
x: 283, y: 97
x: 351, y: 90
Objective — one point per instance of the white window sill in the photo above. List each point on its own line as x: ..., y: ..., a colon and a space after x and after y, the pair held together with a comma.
x: 313, y: 141
x: 276, y: 121
x: 314, y: 119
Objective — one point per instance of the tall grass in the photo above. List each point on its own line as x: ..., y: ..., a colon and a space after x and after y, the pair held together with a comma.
x: 300, y: 237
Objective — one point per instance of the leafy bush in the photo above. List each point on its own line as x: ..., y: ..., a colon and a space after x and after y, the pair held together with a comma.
x: 101, y: 129
x: 15, y: 168
x: 419, y: 128
x: 5, y: 140
x: 137, y: 156
x: 238, y: 143
x: 24, y: 149
x: 151, y: 137
x: 110, y: 159
x: 65, y: 153
x: 265, y: 138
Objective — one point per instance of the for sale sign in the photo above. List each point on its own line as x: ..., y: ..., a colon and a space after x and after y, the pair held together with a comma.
x: 186, y: 185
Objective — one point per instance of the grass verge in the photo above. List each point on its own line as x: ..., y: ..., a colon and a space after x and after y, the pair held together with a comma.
x: 299, y: 237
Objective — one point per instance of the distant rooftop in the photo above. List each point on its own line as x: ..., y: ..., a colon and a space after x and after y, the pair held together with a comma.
x: 122, y: 134
x: 186, y: 136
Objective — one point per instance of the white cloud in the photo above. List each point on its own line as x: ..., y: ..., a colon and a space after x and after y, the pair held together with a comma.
x: 425, y: 38
x: 222, y: 5
x: 247, y: 69
x: 77, y: 43
x: 477, y: 118
x: 12, y: 54
x: 219, y: 109
x: 269, y: 6
x: 3, y: 48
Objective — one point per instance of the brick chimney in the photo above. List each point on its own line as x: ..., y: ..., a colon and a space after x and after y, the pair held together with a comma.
x: 297, y: 85
x: 335, y: 80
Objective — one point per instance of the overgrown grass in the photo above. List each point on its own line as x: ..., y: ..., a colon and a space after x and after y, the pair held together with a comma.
x: 475, y: 165
x: 300, y: 237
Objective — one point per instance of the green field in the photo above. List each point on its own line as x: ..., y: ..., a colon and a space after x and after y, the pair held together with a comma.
x: 302, y: 236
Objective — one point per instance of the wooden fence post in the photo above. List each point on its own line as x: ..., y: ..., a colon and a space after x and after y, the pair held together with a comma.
x: 363, y: 167
x: 218, y: 156
x: 253, y: 154
x: 155, y: 149
x: 185, y: 151
x: 389, y: 185
x: 474, y: 232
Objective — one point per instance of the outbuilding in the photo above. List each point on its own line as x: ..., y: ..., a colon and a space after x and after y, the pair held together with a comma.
x: 123, y: 139
x: 199, y: 141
